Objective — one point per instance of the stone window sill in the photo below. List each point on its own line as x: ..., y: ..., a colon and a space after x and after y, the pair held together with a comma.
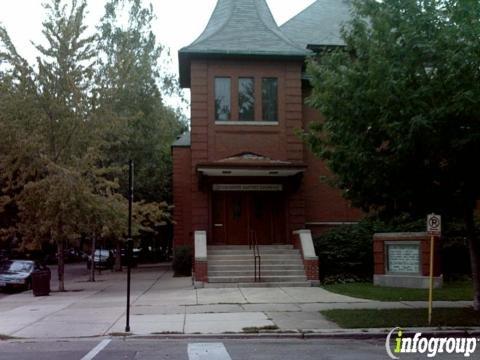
x: 247, y: 123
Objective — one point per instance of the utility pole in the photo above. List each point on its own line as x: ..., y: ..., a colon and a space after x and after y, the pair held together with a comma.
x: 129, y: 241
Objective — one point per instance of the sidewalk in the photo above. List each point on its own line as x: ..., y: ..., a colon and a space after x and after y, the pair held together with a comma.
x: 162, y: 304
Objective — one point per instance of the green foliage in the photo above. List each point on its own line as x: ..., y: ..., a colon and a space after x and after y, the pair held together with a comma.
x: 70, y: 124
x: 131, y: 81
x: 402, y: 106
x: 451, y: 291
x: 182, y: 261
x: 346, y: 252
x: 388, y: 318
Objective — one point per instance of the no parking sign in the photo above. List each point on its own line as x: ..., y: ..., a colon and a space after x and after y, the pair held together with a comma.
x: 434, y: 225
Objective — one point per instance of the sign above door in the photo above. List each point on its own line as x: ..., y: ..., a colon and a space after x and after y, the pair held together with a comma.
x: 247, y: 187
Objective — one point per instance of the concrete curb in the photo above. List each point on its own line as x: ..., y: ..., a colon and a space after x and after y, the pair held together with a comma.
x: 357, y: 334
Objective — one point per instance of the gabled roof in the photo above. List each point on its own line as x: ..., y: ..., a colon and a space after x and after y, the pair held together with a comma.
x: 239, y: 28
x: 319, y: 24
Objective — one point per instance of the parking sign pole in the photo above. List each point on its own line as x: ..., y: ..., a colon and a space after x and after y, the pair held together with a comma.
x: 434, y: 228
x: 430, y: 292
x: 129, y: 241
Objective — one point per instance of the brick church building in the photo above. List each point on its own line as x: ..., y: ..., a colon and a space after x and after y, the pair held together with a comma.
x: 242, y: 174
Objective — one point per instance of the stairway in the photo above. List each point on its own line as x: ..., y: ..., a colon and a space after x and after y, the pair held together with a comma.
x: 233, y: 266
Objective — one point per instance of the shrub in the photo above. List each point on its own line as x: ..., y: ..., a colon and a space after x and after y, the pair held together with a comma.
x: 182, y: 261
x: 346, y: 252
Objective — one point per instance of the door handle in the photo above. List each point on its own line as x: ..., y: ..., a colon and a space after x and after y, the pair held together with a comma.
x: 218, y: 225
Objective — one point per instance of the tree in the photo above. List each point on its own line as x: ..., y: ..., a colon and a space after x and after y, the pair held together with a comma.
x: 131, y: 83
x: 401, y: 103
x: 66, y: 137
x: 64, y: 78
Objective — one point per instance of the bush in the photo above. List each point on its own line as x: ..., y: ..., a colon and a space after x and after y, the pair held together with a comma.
x: 182, y: 261
x: 346, y: 252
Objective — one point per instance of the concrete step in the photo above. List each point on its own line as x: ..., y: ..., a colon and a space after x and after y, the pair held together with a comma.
x: 250, y: 252
x: 279, y: 267
x: 251, y: 273
x: 250, y: 262
x: 259, y: 284
x: 250, y: 257
x: 246, y: 247
x: 248, y: 279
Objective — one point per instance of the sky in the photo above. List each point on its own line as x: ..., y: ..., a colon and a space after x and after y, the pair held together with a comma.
x: 178, y: 23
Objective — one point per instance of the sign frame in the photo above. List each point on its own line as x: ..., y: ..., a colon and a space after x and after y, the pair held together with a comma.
x: 434, y: 225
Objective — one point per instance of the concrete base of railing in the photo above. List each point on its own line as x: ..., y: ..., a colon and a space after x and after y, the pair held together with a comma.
x: 304, y: 242
x: 201, y: 260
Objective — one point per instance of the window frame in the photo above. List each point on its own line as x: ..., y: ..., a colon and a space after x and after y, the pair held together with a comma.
x: 264, y: 118
x: 254, y: 98
x: 229, y: 78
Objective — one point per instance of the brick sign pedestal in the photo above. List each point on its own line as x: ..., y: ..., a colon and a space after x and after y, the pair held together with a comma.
x: 402, y: 260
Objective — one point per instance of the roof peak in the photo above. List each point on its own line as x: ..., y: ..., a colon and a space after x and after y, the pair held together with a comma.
x: 243, y: 27
x: 239, y: 28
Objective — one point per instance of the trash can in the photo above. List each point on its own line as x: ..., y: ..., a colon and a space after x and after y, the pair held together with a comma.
x: 41, y: 282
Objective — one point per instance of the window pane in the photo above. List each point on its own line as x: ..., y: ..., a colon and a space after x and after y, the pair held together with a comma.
x: 246, y: 99
x: 222, y: 99
x: 270, y: 99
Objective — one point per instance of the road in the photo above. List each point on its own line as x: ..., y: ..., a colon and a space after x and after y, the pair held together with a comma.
x: 185, y: 349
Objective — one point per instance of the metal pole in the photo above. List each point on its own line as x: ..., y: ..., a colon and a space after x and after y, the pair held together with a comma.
x: 129, y: 241
x: 430, y: 290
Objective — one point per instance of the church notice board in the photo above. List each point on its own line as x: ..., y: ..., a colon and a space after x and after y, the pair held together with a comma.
x: 403, y: 257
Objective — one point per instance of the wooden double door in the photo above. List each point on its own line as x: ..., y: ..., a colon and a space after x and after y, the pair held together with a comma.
x: 235, y: 214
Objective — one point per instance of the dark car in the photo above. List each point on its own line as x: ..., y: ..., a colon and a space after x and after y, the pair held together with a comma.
x: 102, y: 259
x: 18, y: 273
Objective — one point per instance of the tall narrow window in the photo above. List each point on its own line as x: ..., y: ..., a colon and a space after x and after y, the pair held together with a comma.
x: 246, y: 99
x: 223, y: 103
x: 270, y: 99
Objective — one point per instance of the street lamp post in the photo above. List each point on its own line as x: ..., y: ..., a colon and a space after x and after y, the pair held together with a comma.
x: 129, y: 241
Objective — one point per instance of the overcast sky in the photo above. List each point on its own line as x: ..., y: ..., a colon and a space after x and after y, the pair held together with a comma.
x: 178, y: 23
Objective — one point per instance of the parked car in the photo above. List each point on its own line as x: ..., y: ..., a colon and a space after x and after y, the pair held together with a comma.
x: 18, y: 273
x: 102, y: 259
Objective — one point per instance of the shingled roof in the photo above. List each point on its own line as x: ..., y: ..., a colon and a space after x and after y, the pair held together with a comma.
x: 319, y: 24
x: 239, y: 28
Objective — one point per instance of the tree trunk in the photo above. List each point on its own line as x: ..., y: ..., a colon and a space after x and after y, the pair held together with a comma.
x: 474, y: 255
x: 118, y: 257
x: 92, y: 258
x: 61, y: 265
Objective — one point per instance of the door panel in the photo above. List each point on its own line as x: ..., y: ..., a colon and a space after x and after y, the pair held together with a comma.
x: 218, y: 218
x: 261, y: 217
x: 234, y: 214
x: 236, y: 218
x: 278, y: 220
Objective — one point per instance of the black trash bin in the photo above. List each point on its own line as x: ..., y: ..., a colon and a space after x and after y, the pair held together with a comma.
x: 41, y: 282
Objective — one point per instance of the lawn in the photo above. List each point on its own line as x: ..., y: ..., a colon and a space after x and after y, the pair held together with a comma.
x: 452, y: 291
x: 389, y: 318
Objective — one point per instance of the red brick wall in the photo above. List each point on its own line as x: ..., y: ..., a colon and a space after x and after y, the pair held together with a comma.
x: 314, y: 201
x: 212, y: 141
x: 324, y: 203
x: 201, y: 271
x: 182, y: 230
x: 311, y: 269
x: 199, y: 135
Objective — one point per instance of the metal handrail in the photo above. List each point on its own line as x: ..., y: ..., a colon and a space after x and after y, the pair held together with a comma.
x: 253, y: 243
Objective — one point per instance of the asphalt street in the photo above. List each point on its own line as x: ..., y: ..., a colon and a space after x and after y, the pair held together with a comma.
x: 197, y: 349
